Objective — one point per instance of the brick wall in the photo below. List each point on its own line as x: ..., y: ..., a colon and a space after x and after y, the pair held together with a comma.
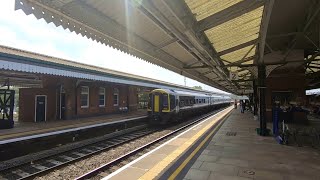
x: 27, y: 103
x: 109, y: 107
x: 72, y: 88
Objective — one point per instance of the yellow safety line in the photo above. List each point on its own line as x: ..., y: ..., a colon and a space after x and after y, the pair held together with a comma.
x: 156, y: 170
x: 194, y: 152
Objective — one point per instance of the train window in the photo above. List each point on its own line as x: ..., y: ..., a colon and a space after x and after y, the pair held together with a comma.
x: 165, y: 101
x: 181, y: 103
x: 84, y: 98
x: 191, y: 101
x: 197, y: 101
x: 172, y: 102
x: 149, y: 101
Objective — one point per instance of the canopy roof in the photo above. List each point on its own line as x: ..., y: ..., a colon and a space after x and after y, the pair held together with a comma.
x: 217, y: 42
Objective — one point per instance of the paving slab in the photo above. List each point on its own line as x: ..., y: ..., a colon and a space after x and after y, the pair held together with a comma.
x: 237, y: 152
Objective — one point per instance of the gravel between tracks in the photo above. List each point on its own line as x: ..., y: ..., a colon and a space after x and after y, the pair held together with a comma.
x: 78, y: 168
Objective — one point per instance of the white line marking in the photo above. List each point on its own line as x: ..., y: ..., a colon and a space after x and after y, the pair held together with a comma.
x: 65, y: 131
x: 143, y: 156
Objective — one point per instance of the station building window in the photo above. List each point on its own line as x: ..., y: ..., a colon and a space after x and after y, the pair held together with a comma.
x: 84, y: 98
x: 102, y: 92
x: 115, y: 97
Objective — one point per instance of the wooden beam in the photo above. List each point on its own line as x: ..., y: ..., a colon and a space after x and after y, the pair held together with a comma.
x: 240, y: 46
x: 313, y: 16
x: 243, y: 80
x: 196, y: 67
x: 311, y: 41
x: 228, y: 14
x: 208, y: 72
x: 238, y: 63
x: 269, y: 47
x: 282, y: 35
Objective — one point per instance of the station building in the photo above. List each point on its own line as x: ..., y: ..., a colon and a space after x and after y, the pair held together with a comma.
x: 56, y: 89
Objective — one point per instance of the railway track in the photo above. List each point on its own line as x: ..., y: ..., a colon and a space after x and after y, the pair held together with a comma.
x: 115, y: 164
x: 49, y: 164
x: 36, y: 168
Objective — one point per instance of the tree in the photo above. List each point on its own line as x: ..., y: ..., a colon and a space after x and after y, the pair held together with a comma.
x: 197, y: 87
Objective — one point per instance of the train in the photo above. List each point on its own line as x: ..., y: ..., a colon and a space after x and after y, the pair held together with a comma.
x: 167, y: 105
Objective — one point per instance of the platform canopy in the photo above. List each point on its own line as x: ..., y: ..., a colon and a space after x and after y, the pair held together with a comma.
x: 217, y: 42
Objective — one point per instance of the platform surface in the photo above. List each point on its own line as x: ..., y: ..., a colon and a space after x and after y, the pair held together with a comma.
x: 155, y: 162
x: 235, y: 152
x: 31, y: 128
x: 249, y: 156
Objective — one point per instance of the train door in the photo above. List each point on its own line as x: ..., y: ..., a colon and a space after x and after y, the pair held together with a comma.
x: 156, y: 100
x: 40, y: 108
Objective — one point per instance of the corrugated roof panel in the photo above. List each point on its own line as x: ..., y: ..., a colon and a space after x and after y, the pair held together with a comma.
x: 233, y: 69
x: 315, y: 69
x: 308, y: 71
x: 239, y: 54
x: 315, y: 63
x: 177, y: 51
x: 133, y: 19
x: 202, y: 70
x: 236, y: 31
x: 204, y: 8
x: 211, y: 75
x: 248, y: 62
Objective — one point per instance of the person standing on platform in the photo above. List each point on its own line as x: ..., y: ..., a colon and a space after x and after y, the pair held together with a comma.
x: 241, y: 106
x: 235, y: 104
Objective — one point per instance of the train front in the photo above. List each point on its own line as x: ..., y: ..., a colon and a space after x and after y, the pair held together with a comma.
x: 159, y: 106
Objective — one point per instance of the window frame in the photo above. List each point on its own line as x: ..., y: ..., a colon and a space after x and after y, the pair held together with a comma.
x: 104, y: 97
x: 86, y: 93
x: 115, y: 92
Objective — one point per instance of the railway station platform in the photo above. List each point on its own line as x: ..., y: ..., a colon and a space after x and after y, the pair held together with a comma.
x: 23, y: 129
x: 226, y: 149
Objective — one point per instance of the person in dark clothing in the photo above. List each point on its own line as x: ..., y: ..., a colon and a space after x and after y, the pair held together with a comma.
x: 241, y: 106
x: 244, y: 105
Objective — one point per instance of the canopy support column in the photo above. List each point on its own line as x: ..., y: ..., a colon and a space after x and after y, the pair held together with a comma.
x: 255, y: 98
x: 262, y: 99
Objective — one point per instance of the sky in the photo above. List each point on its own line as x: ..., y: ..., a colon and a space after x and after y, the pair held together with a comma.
x: 28, y: 33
